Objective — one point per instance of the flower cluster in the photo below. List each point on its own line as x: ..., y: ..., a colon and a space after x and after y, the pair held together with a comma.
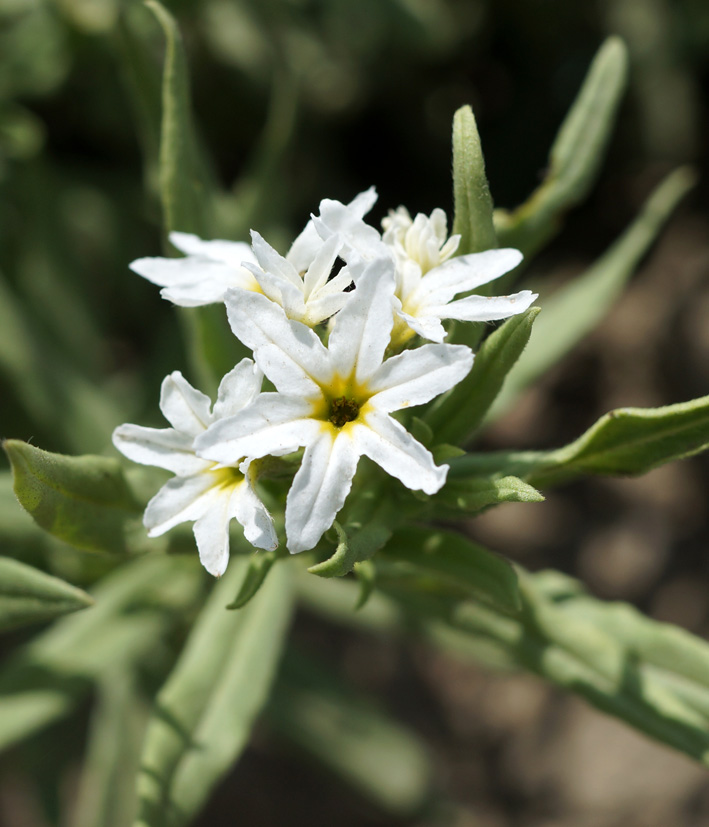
x: 340, y: 348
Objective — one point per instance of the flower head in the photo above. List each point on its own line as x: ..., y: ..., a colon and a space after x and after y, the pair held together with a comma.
x: 428, y: 276
x: 203, y: 491
x: 334, y: 401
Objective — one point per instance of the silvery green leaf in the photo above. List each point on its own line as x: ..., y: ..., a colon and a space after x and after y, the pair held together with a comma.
x: 135, y: 607
x: 84, y: 501
x: 106, y: 796
x: 456, y: 416
x: 456, y: 562
x: 28, y: 595
x: 474, y: 494
x: 652, y: 676
x: 473, y: 202
x: 205, y: 711
x: 576, y: 308
x: 368, y: 750
x: 624, y: 442
x: 575, y: 156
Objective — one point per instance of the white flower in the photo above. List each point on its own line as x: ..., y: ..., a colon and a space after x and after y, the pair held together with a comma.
x: 202, y: 490
x: 204, y: 275
x: 298, y: 282
x: 335, y: 401
x: 428, y: 277
x: 309, y: 298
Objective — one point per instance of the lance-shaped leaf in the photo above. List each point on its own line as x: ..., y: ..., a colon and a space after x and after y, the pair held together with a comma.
x: 457, y: 415
x: 182, y: 170
x: 259, y: 565
x: 575, y: 309
x: 451, y: 559
x: 28, y: 595
x: 107, y: 796
x: 474, y: 494
x: 84, y: 501
x: 186, y: 184
x: 373, y: 753
x: 135, y: 607
x: 624, y: 442
x: 585, y: 645
x: 204, y: 713
x: 575, y: 156
x: 473, y: 202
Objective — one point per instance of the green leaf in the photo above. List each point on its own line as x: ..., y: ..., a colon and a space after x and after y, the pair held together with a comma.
x: 473, y: 202
x: 28, y: 595
x: 368, y: 526
x: 135, y: 607
x: 474, y: 494
x: 575, y: 309
x: 624, y: 442
x: 182, y: 170
x: 260, y: 564
x: 205, y: 711
x: 575, y: 156
x: 458, y: 563
x: 374, y: 754
x: 84, y: 501
x: 107, y: 796
x: 457, y: 415
x: 618, y: 660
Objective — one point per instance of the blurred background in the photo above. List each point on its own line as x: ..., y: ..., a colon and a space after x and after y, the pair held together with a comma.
x: 297, y: 100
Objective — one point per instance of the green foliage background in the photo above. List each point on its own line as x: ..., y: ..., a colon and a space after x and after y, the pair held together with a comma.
x: 296, y: 100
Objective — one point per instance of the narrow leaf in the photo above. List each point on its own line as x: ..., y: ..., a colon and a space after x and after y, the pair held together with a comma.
x: 456, y: 417
x: 368, y: 750
x: 575, y: 309
x: 84, y: 501
x: 205, y: 711
x: 28, y: 595
x: 581, y: 644
x: 473, y: 202
x: 575, y: 156
x: 182, y: 171
x: 452, y: 559
x: 474, y: 494
x: 260, y: 564
x: 624, y: 442
x: 106, y: 795
x: 135, y: 607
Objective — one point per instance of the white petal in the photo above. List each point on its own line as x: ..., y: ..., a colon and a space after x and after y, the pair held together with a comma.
x: 392, y: 447
x: 346, y: 222
x: 272, y: 423
x: 417, y: 376
x: 184, y: 407
x: 270, y: 261
x: 319, y: 488
x: 363, y: 327
x: 282, y: 292
x: 428, y: 327
x: 304, y: 248
x: 232, y: 253
x: 179, y: 500
x: 237, y: 389
x: 192, y: 282
x: 162, y: 447
x: 253, y: 515
x: 211, y: 531
x: 287, y: 375
x: 319, y: 271
x: 317, y: 310
x: 464, y: 273
x: 486, y: 308
x: 257, y: 321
